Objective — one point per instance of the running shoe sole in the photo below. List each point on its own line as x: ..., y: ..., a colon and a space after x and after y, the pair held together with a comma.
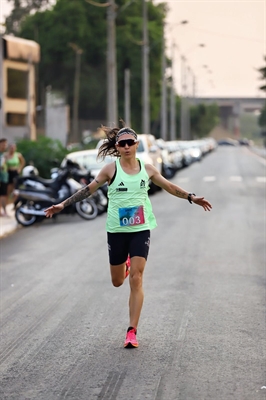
x: 131, y: 346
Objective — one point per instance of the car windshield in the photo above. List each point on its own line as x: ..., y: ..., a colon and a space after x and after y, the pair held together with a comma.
x: 90, y: 161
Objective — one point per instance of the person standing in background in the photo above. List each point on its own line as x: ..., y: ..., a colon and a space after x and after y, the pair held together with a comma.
x: 15, y: 163
x: 3, y: 178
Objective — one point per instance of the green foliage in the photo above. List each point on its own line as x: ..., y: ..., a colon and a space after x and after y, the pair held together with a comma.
x: 81, y: 23
x: 262, y: 72
x: 42, y: 153
x: 262, y: 117
x: 20, y: 10
x: 203, y: 119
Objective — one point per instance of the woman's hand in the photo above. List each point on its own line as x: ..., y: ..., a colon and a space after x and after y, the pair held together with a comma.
x: 49, y: 212
x: 200, y: 201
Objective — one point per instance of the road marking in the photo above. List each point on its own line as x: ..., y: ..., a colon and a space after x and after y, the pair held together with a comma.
x: 261, y: 179
x: 209, y: 178
x: 236, y: 178
x: 183, y: 326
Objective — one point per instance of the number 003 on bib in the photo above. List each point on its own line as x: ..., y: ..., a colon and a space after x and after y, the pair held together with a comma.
x: 130, y: 216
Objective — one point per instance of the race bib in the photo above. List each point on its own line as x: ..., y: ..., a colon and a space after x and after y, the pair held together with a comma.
x: 130, y: 216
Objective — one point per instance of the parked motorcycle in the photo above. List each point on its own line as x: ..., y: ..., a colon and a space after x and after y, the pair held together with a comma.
x: 84, y: 177
x: 35, y: 194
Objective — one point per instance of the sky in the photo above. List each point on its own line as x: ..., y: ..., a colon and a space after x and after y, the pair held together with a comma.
x: 234, y: 37
x: 223, y: 42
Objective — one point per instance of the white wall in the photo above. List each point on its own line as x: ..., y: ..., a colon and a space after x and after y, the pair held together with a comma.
x: 57, y: 123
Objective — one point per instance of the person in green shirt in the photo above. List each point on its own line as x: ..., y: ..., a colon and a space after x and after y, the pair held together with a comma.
x: 3, y: 178
x: 129, y: 216
x: 15, y: 163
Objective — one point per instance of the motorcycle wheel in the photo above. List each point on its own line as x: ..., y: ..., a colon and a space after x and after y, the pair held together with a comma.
x: 24, y: 219
x: 101, y: 202
x: 87, y: 209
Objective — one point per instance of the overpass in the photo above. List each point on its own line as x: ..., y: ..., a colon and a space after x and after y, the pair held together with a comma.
x: 231, y: 108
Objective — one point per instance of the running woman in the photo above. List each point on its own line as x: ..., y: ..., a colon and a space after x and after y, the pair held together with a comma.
x: 129, y: 216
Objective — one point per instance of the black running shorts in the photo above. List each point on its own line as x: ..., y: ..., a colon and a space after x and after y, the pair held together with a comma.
x: 12, y: 175
x: 133, y: 243
x: 3, y: 189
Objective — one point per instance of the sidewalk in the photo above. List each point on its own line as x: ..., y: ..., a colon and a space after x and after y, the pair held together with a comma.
x: 260, y: 151
x: 8, y: 224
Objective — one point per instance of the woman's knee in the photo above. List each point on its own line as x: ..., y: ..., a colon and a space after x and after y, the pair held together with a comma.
x: 117, y: 281
x: 136, y: 280
x: 117, y: 274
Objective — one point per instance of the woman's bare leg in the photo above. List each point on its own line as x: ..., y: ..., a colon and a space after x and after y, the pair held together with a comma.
x: 136, y: 291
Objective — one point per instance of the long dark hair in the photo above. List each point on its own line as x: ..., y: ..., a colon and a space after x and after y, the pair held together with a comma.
x: 108, y: 146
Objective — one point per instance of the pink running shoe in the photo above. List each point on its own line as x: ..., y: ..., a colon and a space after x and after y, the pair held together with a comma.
x: 131, y: 340
x: 127, y: 267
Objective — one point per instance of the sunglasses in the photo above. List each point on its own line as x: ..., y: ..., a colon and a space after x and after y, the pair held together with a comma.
x: 129, y: 142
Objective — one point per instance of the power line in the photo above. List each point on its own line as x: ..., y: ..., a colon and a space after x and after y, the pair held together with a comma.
x: 229, y: 36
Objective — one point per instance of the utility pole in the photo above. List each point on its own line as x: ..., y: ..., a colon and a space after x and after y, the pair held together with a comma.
x: 1, y: 89
x: 111, y: 65
x: 145, y: 73
x: 75, y: 131
x: 127, y: 97
x: 183, y: 130
x: 173, y: 102
x: 188, y: 97
x: 29, y: 96
x: 164, y: 94
x: 173, y: 94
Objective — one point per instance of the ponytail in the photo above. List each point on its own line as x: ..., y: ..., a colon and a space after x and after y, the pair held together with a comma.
x: 108, y: 146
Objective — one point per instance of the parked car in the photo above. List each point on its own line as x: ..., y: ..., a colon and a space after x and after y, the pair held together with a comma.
x: 168, y: 168
x: 227, y: 142
x: 88, y: 159
x: 184, y: 146
x: 191, y: 151
x: 175, y: 154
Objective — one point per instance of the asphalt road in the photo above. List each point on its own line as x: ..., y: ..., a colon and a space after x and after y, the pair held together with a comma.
x: 202, y: 331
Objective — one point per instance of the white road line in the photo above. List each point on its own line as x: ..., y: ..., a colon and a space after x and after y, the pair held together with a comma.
x: 236, y: 178
x: 261, y: 179
x: 209, y: 178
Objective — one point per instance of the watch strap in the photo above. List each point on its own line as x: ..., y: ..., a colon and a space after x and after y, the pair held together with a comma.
x: 189, y: 197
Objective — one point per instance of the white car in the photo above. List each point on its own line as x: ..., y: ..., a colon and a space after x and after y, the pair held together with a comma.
x: 88, y: 159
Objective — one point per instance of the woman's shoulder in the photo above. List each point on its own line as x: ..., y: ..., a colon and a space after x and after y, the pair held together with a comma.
x: 110, y: 167
x: 149, y: 169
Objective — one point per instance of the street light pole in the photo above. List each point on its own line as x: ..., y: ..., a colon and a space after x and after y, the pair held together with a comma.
x: 164, y: 94
x: 164, y: 91
x: 145, y: 72
x: 173, y: 102
x: 183, y: 130
x: 185, y: 101
x: 111, y: 65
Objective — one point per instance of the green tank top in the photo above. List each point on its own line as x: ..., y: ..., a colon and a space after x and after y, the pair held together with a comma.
x: 129, y: 206
x: 13, y: 161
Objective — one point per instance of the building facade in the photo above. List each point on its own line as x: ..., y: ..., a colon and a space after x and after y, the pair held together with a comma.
x: 18, y: 59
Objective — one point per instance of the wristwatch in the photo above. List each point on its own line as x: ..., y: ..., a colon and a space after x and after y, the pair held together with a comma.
x: 189, y: 197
